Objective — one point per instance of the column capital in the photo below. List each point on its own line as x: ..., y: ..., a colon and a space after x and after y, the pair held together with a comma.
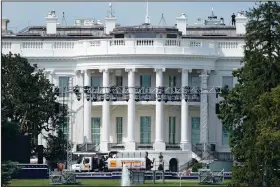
x: 184, y: 70
x: 106, y: 70
x: 159, y: 69
x: 130, y: 69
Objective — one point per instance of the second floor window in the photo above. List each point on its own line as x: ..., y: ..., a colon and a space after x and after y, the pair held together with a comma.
x: 195, y: 81
x: 119, y: 80
x: 145, y: 81
x: 172, y: 81
x: 95, y: 81
x: 227, y: 80
x: 63, y: 86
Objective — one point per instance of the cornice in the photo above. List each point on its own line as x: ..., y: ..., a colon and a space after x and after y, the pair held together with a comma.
x: 143, y: 56
x: 134, y: 56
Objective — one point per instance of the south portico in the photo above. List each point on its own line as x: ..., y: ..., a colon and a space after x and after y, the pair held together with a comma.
x: 83, y: 78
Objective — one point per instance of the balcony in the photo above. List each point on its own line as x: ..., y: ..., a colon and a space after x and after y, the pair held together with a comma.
x: 128, y: 46
x: 173, y: 94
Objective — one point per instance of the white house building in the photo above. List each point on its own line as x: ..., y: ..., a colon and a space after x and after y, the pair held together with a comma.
x: 125, y: 68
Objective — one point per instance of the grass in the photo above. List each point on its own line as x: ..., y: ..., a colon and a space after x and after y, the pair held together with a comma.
x: 109, y: 182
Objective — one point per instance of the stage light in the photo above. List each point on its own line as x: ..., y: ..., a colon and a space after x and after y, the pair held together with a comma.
x: 94, y: 97
x: 126, y: 97
x: 165, y: 97
x: 114, y: 98
x: 107, y: 97
x: 76, y: 90
x: 101, y: 97
x: 159, y: 97
x: 147, y: 97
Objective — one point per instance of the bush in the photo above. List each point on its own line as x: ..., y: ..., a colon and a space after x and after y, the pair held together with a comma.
x: 8, y: 168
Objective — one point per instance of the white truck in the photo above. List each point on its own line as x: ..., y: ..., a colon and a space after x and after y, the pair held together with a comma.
x: 90, y: 163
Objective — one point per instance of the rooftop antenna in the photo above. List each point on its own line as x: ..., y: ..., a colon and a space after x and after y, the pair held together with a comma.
x: 162, y: 20
x: 63, y: 20
x: 147, y: 18
x: 212, y: 11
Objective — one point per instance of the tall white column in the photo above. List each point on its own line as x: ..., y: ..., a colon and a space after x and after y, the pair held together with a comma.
x: 78, y: 127
x: 159, y: 140
x: 104, y: 146
x: 87, y: 109
x: 130, y: 143
x: 204, y: 108
x: 185, y: 125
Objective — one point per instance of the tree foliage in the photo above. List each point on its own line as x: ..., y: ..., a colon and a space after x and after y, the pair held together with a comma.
x: 56, y: 150
x: 243, y: 108
x: 28, y: 101
x: 7, y: 170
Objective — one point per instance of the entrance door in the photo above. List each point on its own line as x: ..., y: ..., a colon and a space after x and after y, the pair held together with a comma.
x: 173, y: 165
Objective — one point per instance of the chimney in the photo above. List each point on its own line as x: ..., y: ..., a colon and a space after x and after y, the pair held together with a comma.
x: 51, y: 21
x: 241, y: 21
x: 5, y: 24
x: 110, y: 21
x: 182, y: 23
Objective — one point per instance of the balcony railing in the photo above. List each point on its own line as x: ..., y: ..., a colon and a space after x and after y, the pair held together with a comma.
x: 171, y: 146
x: 173, y: 94
x: 144, y: 146
x: 197, y: 47
x: 116, y: 147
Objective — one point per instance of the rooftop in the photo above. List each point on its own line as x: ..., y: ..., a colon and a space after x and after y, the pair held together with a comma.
x: 91, y: 28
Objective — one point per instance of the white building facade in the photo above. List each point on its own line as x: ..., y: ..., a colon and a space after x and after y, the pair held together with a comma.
x: 124, y: 69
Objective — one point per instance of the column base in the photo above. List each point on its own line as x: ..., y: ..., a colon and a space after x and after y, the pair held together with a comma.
x: 130, y: 146
x: 159, y: 146
x: 104, y: 146
x: 186, y: 146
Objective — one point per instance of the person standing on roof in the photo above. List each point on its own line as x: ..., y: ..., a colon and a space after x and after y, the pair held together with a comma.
x: 233, y: 19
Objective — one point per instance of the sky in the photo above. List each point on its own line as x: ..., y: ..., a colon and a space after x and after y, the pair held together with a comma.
x: 22, y: 14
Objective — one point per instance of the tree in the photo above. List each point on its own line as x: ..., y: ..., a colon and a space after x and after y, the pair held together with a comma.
x: 258, y: 76
x: 56, y: 150
x: 268, y: 140
x: 27, y: 99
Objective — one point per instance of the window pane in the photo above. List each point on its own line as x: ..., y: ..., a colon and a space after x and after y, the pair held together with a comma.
x: 64, y: 127
x: 172, y: 81
x: 119, y: 130
x: 195, y: 81
x: 145, y: 81
x: 195, y: 130
x: 227, y: 80
x: 95, y: 130
x: 119, y: 81
x: 145, y: 129
x: 172, y: 127
x: 225, y: 137
x: 95, y: 81
x: 63, y: 86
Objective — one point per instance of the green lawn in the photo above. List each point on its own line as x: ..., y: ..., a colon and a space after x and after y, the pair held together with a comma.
x: 109, y: 182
